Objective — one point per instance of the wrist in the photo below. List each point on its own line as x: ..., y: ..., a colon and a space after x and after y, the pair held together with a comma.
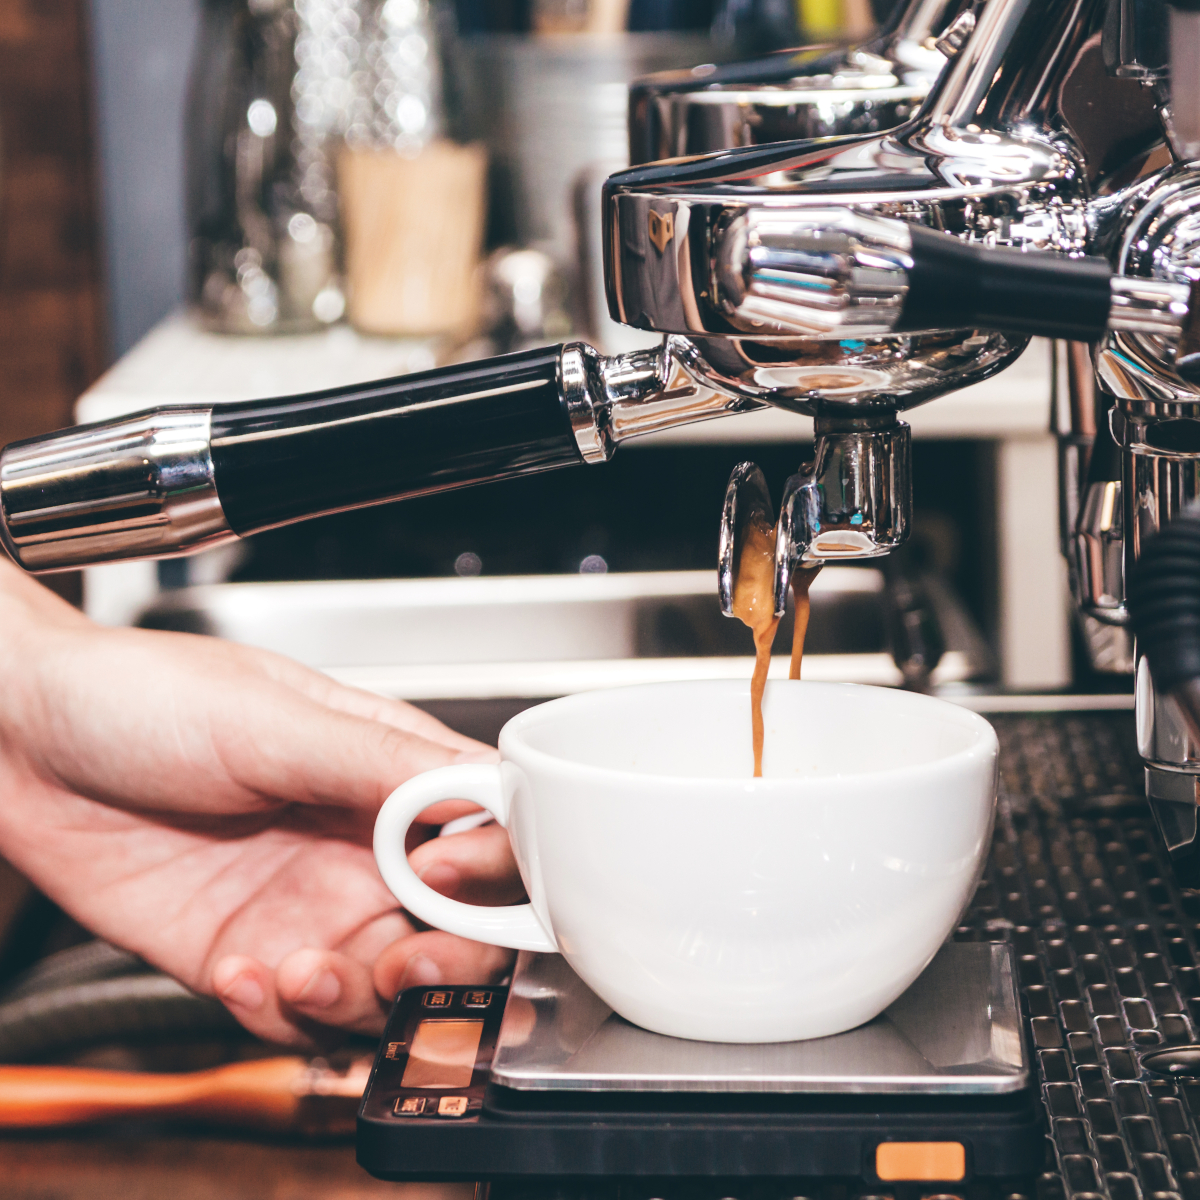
x: 31, y: 616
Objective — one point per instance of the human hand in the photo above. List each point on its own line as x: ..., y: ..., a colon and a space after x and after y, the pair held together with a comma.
x: 210, y: 807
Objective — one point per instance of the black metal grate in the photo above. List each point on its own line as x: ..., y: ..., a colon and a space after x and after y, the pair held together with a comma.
x: 1107, y: 943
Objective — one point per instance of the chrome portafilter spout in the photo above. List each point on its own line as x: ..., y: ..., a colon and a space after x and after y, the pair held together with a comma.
x: 747, y: 508
x: 852, y: 501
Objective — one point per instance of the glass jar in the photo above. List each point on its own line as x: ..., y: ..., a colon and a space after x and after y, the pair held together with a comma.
x: 270, y: 93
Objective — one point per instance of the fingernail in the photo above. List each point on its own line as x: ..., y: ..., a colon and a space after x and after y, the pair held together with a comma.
x: 420, y: 972
x: 245, y: 992
x: 442, y: 878
x: 485, y: 755
x: 321, y: 991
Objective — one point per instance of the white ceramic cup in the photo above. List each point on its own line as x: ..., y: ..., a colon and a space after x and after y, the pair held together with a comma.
x: 700, y: 902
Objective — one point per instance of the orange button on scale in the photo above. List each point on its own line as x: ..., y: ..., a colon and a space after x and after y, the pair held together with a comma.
x: 921, y: 1162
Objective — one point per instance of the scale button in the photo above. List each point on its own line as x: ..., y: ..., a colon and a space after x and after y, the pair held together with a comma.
x: 476, y: 999
x: 410, y: 1106
x: 438, y: 999
x: 452, y: 1106
x: 921, y: 1162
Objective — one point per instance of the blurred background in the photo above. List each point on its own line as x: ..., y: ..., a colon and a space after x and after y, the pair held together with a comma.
x: 229, y: 199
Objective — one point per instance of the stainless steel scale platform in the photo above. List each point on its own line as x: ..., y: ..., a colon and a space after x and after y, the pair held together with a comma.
x: 956, y: 1031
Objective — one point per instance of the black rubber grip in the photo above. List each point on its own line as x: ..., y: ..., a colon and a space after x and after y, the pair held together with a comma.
x: 278, y: 461
x: 959, y: 285
x: 1163, y: 594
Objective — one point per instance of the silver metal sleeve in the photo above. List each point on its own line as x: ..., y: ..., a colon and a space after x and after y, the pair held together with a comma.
x: 139, y: 487
x: 580, y: 371
x: 610, y: 400
x: 1148, y: 306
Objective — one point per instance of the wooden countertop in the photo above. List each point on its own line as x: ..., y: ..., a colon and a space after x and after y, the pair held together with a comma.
x: 97, y: 1165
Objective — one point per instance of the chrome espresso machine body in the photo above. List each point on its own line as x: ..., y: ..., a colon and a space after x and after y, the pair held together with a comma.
x: 1044, y: 185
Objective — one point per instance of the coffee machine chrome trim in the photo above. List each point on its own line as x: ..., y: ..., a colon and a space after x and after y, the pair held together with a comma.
x: 812, y: 92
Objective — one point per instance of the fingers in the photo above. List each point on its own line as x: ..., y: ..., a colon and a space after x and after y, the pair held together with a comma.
x: 404, y: 716
x: 425, y: 959
x: 476, y: 867
x: 306, y: 753
x: 247, y: 988
x: 368, y: 705
x: 311, y: 989
x: 202, y: 731
x: 205, y: 727
x: 331, y: 988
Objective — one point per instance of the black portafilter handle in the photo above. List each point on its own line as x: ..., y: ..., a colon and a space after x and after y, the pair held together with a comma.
x: 174, y: 480
x: 957, y: 285
x: 1163, y: 595
x: 290, y: 459
x: 954, y: 284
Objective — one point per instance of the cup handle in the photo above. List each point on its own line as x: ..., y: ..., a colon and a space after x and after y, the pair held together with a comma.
x: 515, y: 926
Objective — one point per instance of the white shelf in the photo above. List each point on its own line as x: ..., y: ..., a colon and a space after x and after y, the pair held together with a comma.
x: 179, y: 363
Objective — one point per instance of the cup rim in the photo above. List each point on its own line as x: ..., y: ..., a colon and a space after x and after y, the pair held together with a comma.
x: 985, y: 739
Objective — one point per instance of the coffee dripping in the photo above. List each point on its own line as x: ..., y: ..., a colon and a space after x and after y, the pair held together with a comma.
x: 754, y: 605
x: 845, y: 278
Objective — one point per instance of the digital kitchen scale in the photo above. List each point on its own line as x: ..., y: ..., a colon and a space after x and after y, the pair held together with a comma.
x: 542, y: 1080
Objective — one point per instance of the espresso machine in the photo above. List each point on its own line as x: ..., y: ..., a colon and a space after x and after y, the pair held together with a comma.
x: 1043, y: 185
x: 878, y: 227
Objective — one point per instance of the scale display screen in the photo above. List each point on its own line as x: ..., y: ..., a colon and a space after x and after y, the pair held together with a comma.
x: 442, y: 1054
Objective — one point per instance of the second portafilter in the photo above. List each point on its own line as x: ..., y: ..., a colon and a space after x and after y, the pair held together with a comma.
x: 869, y: 277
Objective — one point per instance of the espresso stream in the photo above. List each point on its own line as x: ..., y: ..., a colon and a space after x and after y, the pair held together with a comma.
x: 754, y: 605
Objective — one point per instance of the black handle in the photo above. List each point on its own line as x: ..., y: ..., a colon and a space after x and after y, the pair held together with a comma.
x: 1163, y: 594
x: 958, y: 285
x: 278, y: 461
